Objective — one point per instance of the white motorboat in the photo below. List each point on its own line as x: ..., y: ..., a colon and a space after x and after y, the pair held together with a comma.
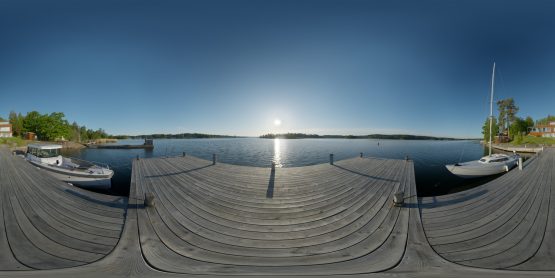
x: 72, y: 170
x: 491, y: 164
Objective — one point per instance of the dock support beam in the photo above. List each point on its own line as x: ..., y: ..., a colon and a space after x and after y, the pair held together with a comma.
x: 213, y: 159
x: 331, y: 158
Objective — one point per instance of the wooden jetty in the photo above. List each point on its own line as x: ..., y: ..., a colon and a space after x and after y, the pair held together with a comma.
x: 48, y: 224
x: 188, y: 217
x: 507, y: 223
x: 525, y: 149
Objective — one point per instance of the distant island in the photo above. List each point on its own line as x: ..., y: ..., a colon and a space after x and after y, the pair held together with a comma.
x: 173, y: 136
x: 370, y: 136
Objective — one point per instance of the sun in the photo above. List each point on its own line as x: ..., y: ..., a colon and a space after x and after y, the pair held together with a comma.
x: 277, y: 122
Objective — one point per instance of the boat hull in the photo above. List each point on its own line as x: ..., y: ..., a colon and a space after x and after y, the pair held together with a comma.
x: 81, y: 180
x: 471, y: 171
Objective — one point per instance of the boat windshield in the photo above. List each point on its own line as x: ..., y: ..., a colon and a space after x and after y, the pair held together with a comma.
x: 44, y: 153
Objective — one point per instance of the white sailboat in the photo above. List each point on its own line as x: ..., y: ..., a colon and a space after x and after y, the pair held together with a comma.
x: 488, y: 165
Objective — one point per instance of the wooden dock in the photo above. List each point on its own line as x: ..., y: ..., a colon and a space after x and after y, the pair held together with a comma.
x: 507, y: 223
x: 221, y: 220
x: 48, y: 224
x: 509, y: 148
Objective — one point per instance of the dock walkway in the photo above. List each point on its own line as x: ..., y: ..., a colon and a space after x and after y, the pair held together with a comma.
x: 225, y: 220
x: 48, y: 224
x: 507, y: 223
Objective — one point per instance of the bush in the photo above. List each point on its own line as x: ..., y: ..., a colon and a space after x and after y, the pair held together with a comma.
x: 10, y: 141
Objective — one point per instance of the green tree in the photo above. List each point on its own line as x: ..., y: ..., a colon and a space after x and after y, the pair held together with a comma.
x: 17, y: 123
x: 74, y: 133
x: 485, y: 129
x: 507, y: 113
x: 83, y: 134
x: 54, y: 126
x: 518, y: 127
x: 32, y: 122
x: 546, y: 120
x: 529, y: 124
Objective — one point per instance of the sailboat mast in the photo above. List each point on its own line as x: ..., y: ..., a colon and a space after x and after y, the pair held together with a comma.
x: 491, y: 107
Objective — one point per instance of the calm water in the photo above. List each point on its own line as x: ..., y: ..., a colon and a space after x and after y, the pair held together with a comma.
x: 429, y: 156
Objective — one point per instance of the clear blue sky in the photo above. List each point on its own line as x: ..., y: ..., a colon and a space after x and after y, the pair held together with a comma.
x: 233, y: 67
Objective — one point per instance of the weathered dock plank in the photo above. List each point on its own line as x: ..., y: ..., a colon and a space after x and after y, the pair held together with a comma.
x: 225, y: 220
x: 220, y: 219
x: 48, y: 224
x: 503, y: 224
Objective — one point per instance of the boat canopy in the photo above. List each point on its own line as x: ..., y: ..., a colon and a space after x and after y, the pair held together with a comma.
x: 44, y: 147
x: 44, y: 151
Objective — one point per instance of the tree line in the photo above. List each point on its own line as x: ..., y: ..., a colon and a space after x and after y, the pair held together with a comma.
x: 370, y: 136
x: 508, y: 123
x: 52, y: 127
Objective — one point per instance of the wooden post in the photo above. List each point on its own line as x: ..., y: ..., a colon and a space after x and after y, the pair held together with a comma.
x: 149, y: 199
x: 137, y: 157
x: 520, y: 163
x: 399, y: 198
x: 331, y: 158
x: 213, y: 159
x: 184, y: 154
x: 360, y: 154
x: 406, y: 157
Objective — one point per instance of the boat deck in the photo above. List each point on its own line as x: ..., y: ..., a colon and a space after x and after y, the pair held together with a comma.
x: 225, y: 220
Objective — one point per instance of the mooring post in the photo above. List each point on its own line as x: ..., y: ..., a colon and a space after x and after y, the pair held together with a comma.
x: 149, y: 199
x: 137, y: 157
x: 360, y: 154
x: 399, y: 198
x: 520, y: 163
x: 184, y: 154
x: 406, y: 158
x: 331, y: 158
x: 213, y: 159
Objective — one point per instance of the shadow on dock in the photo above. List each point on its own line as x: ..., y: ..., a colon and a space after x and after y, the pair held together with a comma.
x: 270, y: 191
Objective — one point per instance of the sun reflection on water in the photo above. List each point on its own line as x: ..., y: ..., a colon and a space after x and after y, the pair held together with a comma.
x: 277, y: 153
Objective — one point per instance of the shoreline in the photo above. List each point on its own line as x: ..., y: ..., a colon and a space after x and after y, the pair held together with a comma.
x: 524, y: 148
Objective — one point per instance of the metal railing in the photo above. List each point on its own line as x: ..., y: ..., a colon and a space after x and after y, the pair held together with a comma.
x: 88, y: 163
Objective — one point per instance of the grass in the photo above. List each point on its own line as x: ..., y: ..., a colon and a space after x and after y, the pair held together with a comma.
x: 13, y: 141
x: 533, y: 140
